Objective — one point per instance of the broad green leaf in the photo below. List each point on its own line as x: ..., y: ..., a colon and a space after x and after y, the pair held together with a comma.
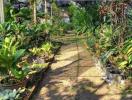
x: 18, y: 54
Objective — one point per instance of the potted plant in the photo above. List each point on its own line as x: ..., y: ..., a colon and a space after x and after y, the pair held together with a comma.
x: 47, y: 49
x: 10, y: 56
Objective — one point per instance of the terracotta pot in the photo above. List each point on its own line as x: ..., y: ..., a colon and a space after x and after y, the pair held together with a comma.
x: 15, y: 83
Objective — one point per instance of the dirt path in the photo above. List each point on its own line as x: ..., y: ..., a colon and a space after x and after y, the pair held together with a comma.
x: 74, y: 77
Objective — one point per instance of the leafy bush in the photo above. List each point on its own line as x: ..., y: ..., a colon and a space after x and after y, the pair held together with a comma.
x: 10, y: 56
x: 108, y: 31
x: 126, y: 62
x: 45, y: 49
x: 84, y: 19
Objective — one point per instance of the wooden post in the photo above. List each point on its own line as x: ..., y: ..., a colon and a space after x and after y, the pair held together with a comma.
x: 45, y: 3
x: 2, y: 11
x: 45, y: 10
x: 34, y: 12
x: 51, y: 11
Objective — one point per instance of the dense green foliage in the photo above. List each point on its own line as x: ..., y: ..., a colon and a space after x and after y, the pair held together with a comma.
x: 10, y: 56
x: 108, y: 35
x: 18, y: 35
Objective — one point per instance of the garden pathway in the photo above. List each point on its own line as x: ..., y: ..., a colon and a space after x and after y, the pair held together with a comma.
x: 73, y: 76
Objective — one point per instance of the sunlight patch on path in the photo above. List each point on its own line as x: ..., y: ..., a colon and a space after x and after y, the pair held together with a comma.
x: 61, y: 64
x: 67, y: 55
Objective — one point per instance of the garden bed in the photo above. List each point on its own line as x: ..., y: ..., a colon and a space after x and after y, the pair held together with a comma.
x: 37, y: 77
x: 110, y: 72
x: 25, y: 87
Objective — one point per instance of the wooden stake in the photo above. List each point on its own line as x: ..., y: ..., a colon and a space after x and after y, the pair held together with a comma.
x: 34, y: 12
x: 2, y: 11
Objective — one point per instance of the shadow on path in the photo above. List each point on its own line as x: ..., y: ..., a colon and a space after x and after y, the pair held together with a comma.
x: 74, y: 77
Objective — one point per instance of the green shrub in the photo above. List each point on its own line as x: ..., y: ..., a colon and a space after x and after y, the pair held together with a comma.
x: 10, y: 56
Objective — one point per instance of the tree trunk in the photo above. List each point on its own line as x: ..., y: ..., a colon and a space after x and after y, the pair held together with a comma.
x: 1, y: 11
x: 34, y: 12
x: 45, y: 6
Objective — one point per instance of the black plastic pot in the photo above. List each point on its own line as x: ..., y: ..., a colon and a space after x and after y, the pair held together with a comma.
x: 14, y: 83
